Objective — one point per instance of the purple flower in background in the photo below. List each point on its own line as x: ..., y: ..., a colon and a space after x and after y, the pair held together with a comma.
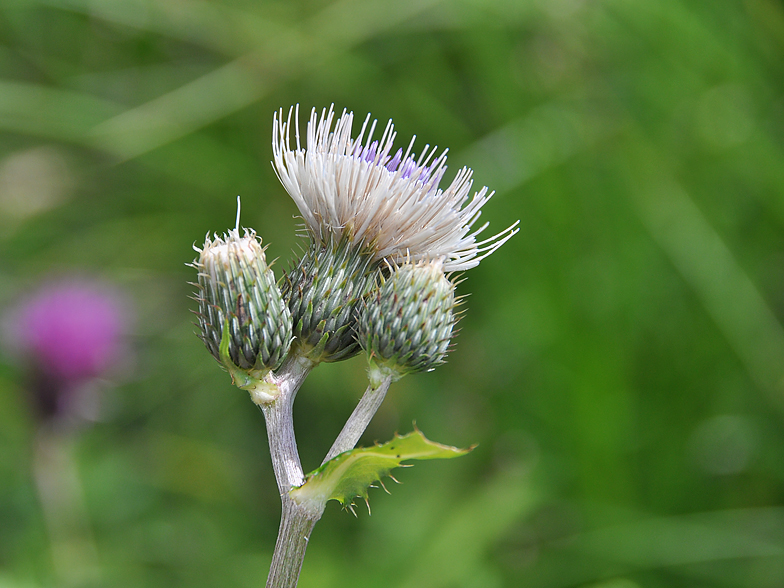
x: 66, y: 333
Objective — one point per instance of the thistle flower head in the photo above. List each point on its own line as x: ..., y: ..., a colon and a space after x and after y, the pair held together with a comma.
x: 388, y: 201
x: 72, y: 330
x: 66, y: 334
x: 243, y: 320
x: 407, y: 326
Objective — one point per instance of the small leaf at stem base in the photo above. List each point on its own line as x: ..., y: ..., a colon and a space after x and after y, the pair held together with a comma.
x: 351, y: 473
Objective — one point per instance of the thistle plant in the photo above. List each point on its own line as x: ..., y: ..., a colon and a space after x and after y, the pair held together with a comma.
x: 384, y: 240
x: 67, y: 337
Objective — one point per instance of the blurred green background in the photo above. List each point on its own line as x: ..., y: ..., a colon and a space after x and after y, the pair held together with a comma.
x: 620, y: 363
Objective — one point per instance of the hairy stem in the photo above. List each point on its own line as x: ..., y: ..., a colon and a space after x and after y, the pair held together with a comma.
x: 296, y: 523
x: 359, y: 420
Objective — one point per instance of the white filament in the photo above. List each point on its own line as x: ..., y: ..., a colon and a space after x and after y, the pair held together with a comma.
x: 340, y: 185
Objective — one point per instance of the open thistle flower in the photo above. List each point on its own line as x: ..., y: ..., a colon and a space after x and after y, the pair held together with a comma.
x: 71, y: 329
x: 391, y: 203
x: 407, y: 325
x: 66, y: 334
x: 243, y: 320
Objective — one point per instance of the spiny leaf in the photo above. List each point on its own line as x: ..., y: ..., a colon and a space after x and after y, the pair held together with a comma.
x: 350, y: 474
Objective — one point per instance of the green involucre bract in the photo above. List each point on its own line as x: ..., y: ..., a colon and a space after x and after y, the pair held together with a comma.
x: 407, y: 325
x: 237, y: 290
x: 323, y: 293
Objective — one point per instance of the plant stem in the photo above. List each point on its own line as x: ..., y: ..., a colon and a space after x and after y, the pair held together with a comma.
x: 296, y: 523
x: 74, y: 554
x: 359, y: 420
x: 280, y: 423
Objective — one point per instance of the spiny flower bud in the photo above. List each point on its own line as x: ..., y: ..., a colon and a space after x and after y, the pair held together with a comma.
x: 406, y: 327
x: 323, y: 292
x: 242, y: 317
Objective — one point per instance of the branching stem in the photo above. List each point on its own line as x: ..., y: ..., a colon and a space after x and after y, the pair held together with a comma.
x: 297, y: 521
x: 359, y: 420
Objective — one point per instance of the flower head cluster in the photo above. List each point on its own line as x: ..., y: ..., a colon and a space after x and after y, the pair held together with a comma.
x: 389, y: 202
x: 383, y: 238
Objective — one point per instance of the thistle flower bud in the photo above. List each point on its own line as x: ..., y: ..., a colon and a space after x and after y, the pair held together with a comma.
x: 406, y: 327
x: 323, y: 293
x: 243, y: 320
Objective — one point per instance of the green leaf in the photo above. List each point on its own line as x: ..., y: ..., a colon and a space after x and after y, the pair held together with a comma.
x: 350, y: 474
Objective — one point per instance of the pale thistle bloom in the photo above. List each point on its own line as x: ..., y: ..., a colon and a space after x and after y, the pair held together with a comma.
x: 390, y: 203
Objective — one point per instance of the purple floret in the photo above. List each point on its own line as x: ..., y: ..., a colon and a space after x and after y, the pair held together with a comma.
x: 395, y: 161
x: 369, y: 153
